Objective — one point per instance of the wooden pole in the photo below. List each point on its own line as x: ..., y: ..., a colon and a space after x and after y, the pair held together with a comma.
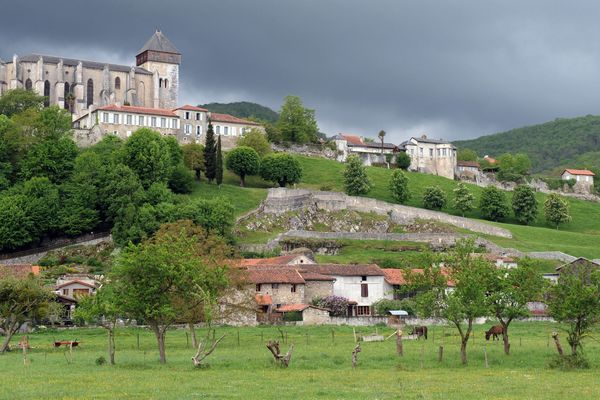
x: 238, y: 336
x: 422, y: 353
x: 440, y: 353
x: 433, y: 335
x: 399, y: 347
x: 187, y: 340
x: 485, y: 357
x: 138, y: 341
x: 557, y: 343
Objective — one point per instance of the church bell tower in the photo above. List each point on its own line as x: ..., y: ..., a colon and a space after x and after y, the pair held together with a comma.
x: 162, y: 58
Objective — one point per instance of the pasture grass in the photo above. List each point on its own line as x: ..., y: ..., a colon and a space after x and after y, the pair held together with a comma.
x: 320, y: 367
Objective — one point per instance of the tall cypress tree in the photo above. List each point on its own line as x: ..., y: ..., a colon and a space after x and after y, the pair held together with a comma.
x: 210, y: 156
x: 219, y: 166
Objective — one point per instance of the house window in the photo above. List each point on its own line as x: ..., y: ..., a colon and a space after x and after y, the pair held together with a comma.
x: 66, y: 93
x: 198, y: 117
x: 128, y: 133
x: 420, y: 151
x: 258, y: 287
x: 153, y: 121
x: 226, y: 130
x: 218, y: 129
x: 163, y: 122
x: 430, y: 152
x: 242, y: 131
x: 444, y: 152
x: 141, y: 120
x: 198, y: 129
x: 187, y: 115
x: 274, y: 285
x: 166, y: 83
x: 65, y: 292
x: 233, y: 131
x: 105, y: 117
x: 28, y: 84
x: 80, y: 292
x: 363, y: 310
x: 188, y: 129
x: 364, y: 290
x: 117, y: 83
x: 129, y: 119
x: 174, y: 123
x: 363, y: 278
x: 115, y: 118
x: 293, y: 290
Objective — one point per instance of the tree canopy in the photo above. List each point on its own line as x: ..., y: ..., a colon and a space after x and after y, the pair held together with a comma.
x: 296, y: 123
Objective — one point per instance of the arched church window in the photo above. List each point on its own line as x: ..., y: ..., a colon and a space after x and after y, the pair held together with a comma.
x: 90, y: 92
x: 166, y: 83
x: 67, y: 96
x: 160, y: 80
x: 28, y: 84
x: 117, y: 83
x: 46, y: 93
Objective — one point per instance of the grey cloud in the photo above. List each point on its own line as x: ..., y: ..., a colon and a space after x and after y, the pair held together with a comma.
x: 452, y: 69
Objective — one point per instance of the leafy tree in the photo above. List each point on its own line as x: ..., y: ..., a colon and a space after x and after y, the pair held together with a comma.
x: 243, y: 161
x: 174, y: 150
x: 17, y: 224
x: 463, y: 199
x: 244, y: 109
x: 210, y: 154
x: 381, y: 136
x: 524, y: 204
x: 149, y: 156
x: 18, y: 100
x: 492, y: 204
x: 273, y: 133
x: 102, y: 308
x: 399, y: 186
x: 78, y: 214
x: 108, y: 149
x: 121, y: 189
x: 214, y: 215
x: 356, y: 181
x: 556, y: 210
x: 513, y: 168
x: 21, y: 300
x: 296, y: 123
x: 219, y: 163
x: 575, y: 302
x: 468, y: 300
x: 52, y: 158
x: 281, y: 168
x: 510, y: 291
x: 152, y: 278
x: 53, y: 123
x: 134, y: 224
x: 256, y: 139
x: 466, y: 155
x: 181, y: 180
x: 193, y: 158
x: 434, y: 198
x: 42, y: 205
x: 384, y: 306
x: 403, y: 160
x: 158, y: 193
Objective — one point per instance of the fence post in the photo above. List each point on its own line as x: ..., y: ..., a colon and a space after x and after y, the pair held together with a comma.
x: 238, y: 335
x: 440, y: 353
x: 187, y: 340
x: 138, y: 340
x: 332, y: 336
x: 485, y: 357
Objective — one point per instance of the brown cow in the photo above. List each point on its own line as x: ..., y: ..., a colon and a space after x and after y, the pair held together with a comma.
x: 494, y: 331
x: 419, y: 331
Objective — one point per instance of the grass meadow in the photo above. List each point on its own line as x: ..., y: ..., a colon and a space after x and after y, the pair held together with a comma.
x: 320, y: 367
x: 580, y: 237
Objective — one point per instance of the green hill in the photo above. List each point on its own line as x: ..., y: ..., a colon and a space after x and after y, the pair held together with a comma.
x: 559, y: 143
x: 243, y: 109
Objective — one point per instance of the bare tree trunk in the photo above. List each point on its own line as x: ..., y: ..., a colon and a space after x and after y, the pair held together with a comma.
x: 557, y: 343
x: 9, y: 331
x: 193, y: 335
x: 505, y: 337
x: 201, y: 354
x: 160, y: 339
x: 111, y: 345
x: 355, y: 352
x: 463, y: 343
x: 284, y: 361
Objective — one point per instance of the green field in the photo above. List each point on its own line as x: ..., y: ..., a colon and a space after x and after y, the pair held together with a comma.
x: 580, y: 237
x: 320, y: 367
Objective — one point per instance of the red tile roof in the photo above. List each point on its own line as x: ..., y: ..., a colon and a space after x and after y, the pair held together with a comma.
x: 281, y: 260
x: 19, y: 271
x: 188, y: 107
x: 395, y: 276
x: 263, y: 300
x: 352, y: 139
x: 292, y: 307
x: 579, y: 172
x: 314, y: 276
x: 76, y: 281
x: 274, y: 275
x: 216, y: 117
x: 138, y: 110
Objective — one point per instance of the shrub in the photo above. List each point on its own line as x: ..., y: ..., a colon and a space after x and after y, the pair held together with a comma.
x: 556, y: 210
x: 463, y: 198
x: 403, y: 160
x: 524, y: 204
x: 281, y: 168
x: 243, y: 161
x: 292, y: 316
x: 569, y: 362
x: 383, y: 306
x: 337, y: 305
x: 257, y: 140
x: 356, y: 181
x: 326, y: 188
x: 399, y: 186
x: 100, y: 361
x: 181, y: 180
x: 434, y: 198
x: 493, y: 204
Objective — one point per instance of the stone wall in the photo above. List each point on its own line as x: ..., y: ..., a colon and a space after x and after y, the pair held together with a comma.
x: 309, y: 150
x: 281, y: 200
x: 315, y: 316
x: 314, y: 289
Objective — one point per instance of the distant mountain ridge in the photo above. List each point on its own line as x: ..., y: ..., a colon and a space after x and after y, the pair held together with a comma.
x: 564, y: 142
x: 243, y: 109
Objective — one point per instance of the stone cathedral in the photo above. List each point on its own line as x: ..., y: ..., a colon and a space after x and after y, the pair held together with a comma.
x: 81, y: 86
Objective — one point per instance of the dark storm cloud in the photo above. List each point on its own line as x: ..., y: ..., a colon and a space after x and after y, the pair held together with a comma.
x: 453, y: 69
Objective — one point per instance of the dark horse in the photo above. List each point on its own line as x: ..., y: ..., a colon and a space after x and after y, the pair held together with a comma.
x: 494, y: 331
x: 419, y: 331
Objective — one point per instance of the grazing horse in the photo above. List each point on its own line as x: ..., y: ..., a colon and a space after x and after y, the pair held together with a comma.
x: 419, y: 331
x: 494, y: 331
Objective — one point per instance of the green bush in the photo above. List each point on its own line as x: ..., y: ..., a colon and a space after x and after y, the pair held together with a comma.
x: 383, y: 306
x: 493, y: 204
x: 399, y: 186
x: 356, y: 181
x: 403, y: 160
x: 569, y: 362
x: 292, y: 316
x: 434, y: 198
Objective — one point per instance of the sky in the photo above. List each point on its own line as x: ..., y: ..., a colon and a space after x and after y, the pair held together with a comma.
x: 451, y: 69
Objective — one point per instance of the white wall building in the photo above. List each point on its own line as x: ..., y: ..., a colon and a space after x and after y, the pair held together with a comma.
x: 431, y: 156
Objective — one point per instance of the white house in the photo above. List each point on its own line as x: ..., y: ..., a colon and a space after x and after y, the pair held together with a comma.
x: 369, y: 152
x: 584, y: 178
x: 431, y: 156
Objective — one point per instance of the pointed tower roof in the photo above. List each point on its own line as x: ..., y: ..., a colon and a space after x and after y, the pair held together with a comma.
x: 159, y: 42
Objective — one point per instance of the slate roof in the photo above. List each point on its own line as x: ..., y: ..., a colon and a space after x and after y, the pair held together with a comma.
x: 586, y: 172
x: 217, y: 117
x: 72, y: 62
x: 159, y: 42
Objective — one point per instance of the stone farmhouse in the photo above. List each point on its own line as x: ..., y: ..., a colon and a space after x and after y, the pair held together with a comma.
x: 468, y: 170
x: 584, y: 179
x: 119, y: 99
x: 369, y: 152
x: 431, y: 156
